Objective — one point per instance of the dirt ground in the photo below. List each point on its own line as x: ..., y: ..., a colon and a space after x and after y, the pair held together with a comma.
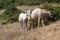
x: 15, y: 32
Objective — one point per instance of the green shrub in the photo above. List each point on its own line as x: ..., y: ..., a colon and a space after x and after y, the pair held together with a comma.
x: 58, y: 9
x: 33, y: 3
x: 11, y: 14
x: 58, y: 12
x: 55, y: 12
x: 47, y: 6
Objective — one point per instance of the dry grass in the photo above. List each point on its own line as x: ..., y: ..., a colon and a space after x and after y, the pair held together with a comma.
x: 15, y: 32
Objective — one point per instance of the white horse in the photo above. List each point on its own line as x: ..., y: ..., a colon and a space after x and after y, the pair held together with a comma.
x: 40, y: 14
x: 23, y: 19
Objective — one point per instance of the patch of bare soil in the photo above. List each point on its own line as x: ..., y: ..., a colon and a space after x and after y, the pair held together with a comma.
x: 1, y: 11
x: 25, y: 7
x: 15, y: 32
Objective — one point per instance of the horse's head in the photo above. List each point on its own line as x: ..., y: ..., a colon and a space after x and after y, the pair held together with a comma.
x: 28, y: 14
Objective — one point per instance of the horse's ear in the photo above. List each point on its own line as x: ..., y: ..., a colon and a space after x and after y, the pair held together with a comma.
x: 28, y: 11
x: 25, y: 11
x: 40, y: 7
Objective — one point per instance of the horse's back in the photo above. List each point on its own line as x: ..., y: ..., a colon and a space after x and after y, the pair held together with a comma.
x: 36, y: 12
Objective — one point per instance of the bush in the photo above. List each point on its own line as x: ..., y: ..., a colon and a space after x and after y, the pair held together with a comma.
x: 33, y: 3
x: 47, y: 6
x: 11, y: 14
x: 3, y: 6
x: 55, y: 12
x: 57, y: 9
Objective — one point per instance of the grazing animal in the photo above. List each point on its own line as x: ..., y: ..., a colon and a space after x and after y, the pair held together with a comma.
x: 23, y: 19
x: 40, y: 14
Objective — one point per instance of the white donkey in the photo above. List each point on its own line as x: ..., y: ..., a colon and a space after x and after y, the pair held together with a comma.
x: 23, y: 19
x: 40, y: 14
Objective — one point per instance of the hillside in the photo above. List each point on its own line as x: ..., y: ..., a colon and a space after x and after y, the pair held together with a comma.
x: 15, y: 32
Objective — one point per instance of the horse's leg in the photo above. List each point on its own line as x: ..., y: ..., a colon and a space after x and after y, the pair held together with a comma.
x: 23, y: 25
x: 28, y: 24
x: 42, y: 22
x: 20, y: 24
x: 32, y: 23
x: 38, y: 21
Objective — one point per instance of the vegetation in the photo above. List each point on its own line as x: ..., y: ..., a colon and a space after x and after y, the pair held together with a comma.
x: 6, y: 3
x: 55, y: 11
x: 11, y: 14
